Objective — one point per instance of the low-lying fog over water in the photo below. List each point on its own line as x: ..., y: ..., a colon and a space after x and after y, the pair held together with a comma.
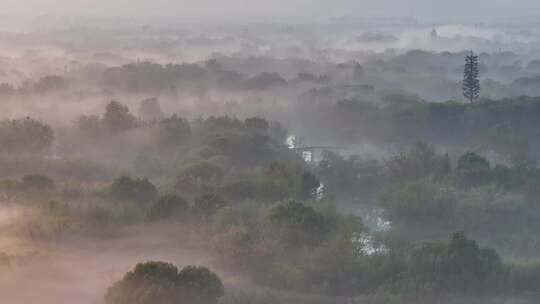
x: 269, y: 152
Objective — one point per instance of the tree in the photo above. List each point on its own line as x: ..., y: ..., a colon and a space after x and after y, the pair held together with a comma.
x: 25, y: 136
x: 472, y: 161
x: 299, y: 216
x: 117, y: 117
x: 466, y: 263
x: 137, y: 190
x: 299, y: 225
x: 200, y: 284
x: 472, y: 170
x: 459, y: 264
x: 471, y: 83
x: 173, y: 130
x: 162, y: 283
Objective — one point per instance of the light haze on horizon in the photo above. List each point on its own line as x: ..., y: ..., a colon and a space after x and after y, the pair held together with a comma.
x: 307, y: 9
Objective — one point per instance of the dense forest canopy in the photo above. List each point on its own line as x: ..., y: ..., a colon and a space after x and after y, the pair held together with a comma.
x: 165, y: 161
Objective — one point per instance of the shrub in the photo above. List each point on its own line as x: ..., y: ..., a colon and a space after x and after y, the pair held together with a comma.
x: 136, y: 190
x: 37, y: 183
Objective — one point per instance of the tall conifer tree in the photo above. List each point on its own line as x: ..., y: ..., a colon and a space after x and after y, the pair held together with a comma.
x: 471, y: 83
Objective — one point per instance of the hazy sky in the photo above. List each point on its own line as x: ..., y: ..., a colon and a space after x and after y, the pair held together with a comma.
x: 230, y: 9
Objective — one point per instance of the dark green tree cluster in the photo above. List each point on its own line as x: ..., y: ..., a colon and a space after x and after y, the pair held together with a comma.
x: 137, y: 190
x: 162, y: 283
x: 169, y: 206
x: 458, y: 265
x: 25, y: 136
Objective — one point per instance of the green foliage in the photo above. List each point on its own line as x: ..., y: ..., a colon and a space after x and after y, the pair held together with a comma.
x: 50, y: 83
x: 263, y: 190
x: 173, y: 131
x: 162, y: 283
x: 204, y: 171
x: 219, y: 124
x: 202, y: 285
x: 278, y: 170
x: 510, y: 146
x: 425, y: 261
x: 265, y: 80
x: 459, y: 265
x: 308, y: 186
x: 25, y: 136
x: 33, y: 186
x: 420, y: 161
x: 504, y: 126
x: 145, y: 76
x: 266, y: 187
x: 472, y: 171
x: 242, y: 149
x: 208, y: 204
x: 148, y: 165
x: 467, y: 263
x: 349, y: 177
x: 256, y: 124
x: 278, y: 132
x: 298, y: 224
x: 137, y: 190
x: 89, y: 125
x: 298, y: 215
x: 117, y: 117
x: 422, y: 200
x: 37, y: 183
x: 472, y: 161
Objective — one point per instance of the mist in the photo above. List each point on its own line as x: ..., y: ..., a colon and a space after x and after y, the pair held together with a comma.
x: 303, y: 151
x: 312, y: 10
